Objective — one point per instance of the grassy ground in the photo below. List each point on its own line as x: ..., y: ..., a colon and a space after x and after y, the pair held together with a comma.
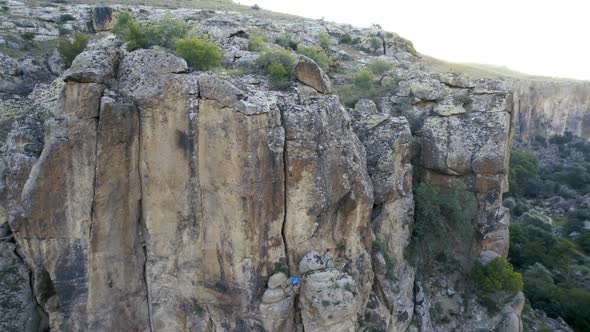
x: 476, y: 70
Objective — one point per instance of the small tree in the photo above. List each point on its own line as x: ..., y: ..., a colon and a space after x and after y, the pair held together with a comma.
x: 379, y: 67
x: 199, y: 52
x: 287, y: 42
x: 69, y: 49
x: 325, y: 42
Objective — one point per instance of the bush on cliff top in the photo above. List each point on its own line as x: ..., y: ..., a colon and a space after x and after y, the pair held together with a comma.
x: 199, y: 52
x: 277, y: 64
x: 164, y: 33
x: 69, y: 49
x: 317, y: 54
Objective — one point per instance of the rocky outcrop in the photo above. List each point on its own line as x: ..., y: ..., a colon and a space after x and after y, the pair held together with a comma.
x: 388, y: 141
x: 308, y: 72
x: 19, y: 76
x: 549, y: 108
x: 476, y: 158
x: 103, y: 18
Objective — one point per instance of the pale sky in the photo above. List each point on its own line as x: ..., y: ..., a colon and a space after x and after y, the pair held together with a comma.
x: 541, y: 37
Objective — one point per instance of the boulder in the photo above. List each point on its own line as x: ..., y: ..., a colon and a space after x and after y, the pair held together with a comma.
x: 103, y: 18
x: 422, y: 88
x: 309, y: 73
x: 487, y: 256
x: 94, y: 66
x: 329, y: 301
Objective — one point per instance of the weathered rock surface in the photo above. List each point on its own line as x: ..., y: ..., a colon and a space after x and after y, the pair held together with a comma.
x: 19, y: 311
x: 387, y: 141
x: 476, y: 158
x: 19, y: 76
x: 329, y: 299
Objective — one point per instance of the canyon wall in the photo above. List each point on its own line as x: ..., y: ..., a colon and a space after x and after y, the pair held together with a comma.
x: 551, y: 107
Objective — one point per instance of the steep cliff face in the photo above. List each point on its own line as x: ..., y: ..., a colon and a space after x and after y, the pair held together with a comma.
x: 549, y: 108
x: 181, y: 194
x: 146, y: 196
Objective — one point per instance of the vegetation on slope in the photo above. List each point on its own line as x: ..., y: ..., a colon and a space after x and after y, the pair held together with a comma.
x: 549, y: 241
x: 444, y: 221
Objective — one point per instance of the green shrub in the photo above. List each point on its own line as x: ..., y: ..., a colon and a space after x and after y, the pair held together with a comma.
x: 280, y: 77
x: 539, y: 271
x: 130, y: 32
x: 69, y: 50
x: 325, y: 42
x: 444, y: 219
x: 277, y: 64
x: 28, y: 36
x: 286, y: 42
x: 379, y: 67
x: 199, y: 52
x: 389, y: 264
x: 281, y: 56
x: 256, y: 42
x: 166, y: 32
x: 316, y: 54
x: 345, y: 39
x: 364, y: 81
x: 348, y: 95
x: 496, y: 276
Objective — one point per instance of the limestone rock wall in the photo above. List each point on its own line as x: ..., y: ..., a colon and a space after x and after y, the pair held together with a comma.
x: 181, y: 194
x: 149, y: 197
x: 548, y: 108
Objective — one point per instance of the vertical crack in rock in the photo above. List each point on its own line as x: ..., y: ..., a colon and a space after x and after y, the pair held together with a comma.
x: 93, y: 205
x: 285, y: 189
x: 142, y: 223
x: 193, y: 116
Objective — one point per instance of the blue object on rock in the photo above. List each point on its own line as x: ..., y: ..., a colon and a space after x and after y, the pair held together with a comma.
x: 295, y: 280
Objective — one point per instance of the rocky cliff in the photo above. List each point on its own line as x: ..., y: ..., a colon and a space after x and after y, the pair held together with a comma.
x: 143, y: 195
x: 549, y: 108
